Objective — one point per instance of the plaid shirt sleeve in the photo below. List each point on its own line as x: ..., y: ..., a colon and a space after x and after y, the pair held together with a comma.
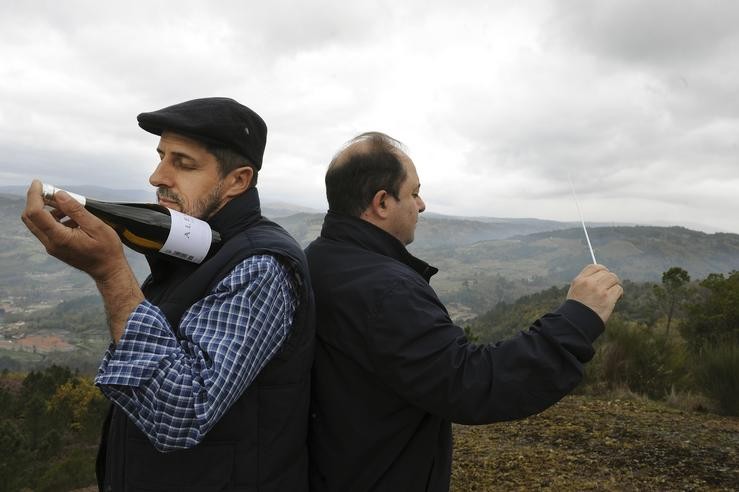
x: 175, y: 389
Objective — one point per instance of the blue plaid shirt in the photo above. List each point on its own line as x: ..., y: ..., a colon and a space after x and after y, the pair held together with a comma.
x: 175, y: 388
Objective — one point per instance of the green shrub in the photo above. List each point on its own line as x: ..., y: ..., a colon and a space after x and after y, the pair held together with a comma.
x: 717, y: 374
x: 638, y: 357
x: 713, y: 318
x: 13, y: 453
x: 77, y: 470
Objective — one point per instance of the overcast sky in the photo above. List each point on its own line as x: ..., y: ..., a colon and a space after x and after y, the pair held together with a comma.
x: 497, y: 101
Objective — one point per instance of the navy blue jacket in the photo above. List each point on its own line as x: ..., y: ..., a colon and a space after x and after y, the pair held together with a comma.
x: 392, y: 371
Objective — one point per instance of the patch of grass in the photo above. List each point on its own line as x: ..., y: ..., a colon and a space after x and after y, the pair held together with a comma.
x: 689, y: 401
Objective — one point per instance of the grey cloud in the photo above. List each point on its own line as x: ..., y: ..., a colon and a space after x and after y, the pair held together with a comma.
x: 635, y: 98
x: 20, y: 162
x: 688, y: 47
x: 653, y: 32
x: 638, y: 100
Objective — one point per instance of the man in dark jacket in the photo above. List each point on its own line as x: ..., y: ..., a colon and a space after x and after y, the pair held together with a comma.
x: 391, y: 370
x: 209, y: 369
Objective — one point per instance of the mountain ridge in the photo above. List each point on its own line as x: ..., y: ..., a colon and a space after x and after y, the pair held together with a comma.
x: 481, y: 263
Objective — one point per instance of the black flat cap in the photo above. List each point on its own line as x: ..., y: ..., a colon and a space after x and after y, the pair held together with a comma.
x: 214, y: 120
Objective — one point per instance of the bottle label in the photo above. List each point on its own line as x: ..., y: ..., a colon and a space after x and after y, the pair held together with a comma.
x: 189, y: 238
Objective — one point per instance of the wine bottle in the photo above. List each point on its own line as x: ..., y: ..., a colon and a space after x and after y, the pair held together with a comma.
x: 149, y: 227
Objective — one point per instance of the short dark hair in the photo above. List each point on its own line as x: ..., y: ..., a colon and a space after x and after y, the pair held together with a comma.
x: 355, y: 176
x: 229, y: 159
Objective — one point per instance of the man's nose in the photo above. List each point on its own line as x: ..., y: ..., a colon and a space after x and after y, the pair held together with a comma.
x: 160, y: 176
x: 421, y: 205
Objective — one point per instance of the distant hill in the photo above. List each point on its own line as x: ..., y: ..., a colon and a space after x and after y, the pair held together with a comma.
x: 639, y: 253
x: 642, y: 253
x: 269, y: 208
x: 472, y: 254
x: 479, y: 275
x: 434, y: 231
x: 481, y: 261
x: 98, y: 192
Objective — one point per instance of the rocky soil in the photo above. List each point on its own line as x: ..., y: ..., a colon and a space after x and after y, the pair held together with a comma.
x: 585, y: 443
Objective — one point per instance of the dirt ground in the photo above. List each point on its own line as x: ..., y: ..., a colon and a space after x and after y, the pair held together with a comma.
x: 584, y: 443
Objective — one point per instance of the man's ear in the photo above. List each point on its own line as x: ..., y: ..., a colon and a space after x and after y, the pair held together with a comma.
x: 379, y: 203
x: 237, y: 181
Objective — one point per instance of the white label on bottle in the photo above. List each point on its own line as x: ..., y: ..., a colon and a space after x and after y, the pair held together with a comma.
x: 189, y: 238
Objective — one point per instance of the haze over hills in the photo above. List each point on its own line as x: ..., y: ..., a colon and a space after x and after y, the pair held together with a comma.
x: 481, y: 263
x: 538, y: 253
x: 99, y: 192
x: 463, y: 248
x: 271, y: 209
x: 505, y: 226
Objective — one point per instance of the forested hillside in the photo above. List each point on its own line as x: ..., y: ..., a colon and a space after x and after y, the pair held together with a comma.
x: 50, y: 424
x: 677, y: 335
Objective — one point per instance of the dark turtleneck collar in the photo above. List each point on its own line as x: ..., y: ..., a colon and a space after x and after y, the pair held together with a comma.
x: 353, y: 230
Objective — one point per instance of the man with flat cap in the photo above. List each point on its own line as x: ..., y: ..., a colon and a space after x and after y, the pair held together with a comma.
x: 209, y: 368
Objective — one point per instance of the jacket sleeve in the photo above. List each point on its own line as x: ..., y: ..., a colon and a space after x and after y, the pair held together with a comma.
x: 417, y: 350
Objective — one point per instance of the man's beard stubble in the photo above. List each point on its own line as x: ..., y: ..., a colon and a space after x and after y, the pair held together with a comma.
x: 202, y: 209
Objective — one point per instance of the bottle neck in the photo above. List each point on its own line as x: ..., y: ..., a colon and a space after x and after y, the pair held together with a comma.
x: 48, y: 191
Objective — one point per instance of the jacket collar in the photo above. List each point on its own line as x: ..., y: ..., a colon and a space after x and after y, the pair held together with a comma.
x: 359, y: 232
x: 236, y: 215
